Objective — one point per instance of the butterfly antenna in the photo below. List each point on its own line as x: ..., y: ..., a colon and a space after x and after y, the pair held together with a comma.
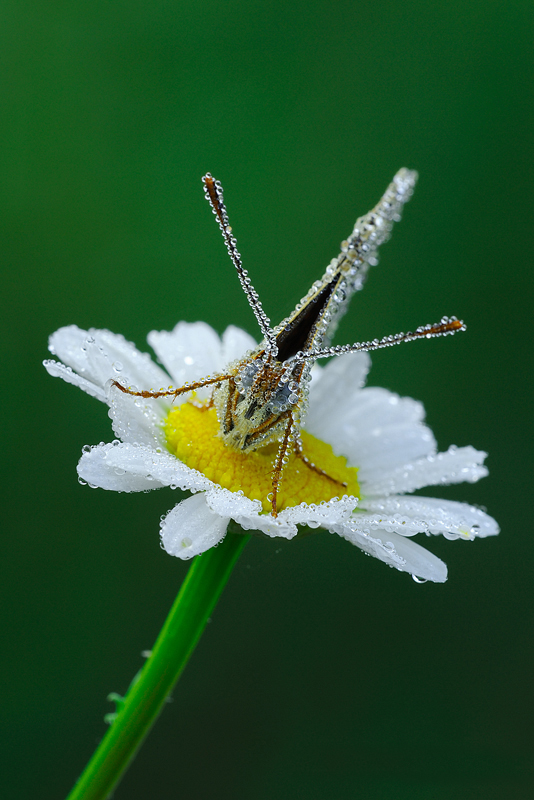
x: 214, y: 194
x: 446, y: 327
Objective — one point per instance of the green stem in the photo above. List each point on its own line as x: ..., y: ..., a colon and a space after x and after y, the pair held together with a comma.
x: 183, y: 628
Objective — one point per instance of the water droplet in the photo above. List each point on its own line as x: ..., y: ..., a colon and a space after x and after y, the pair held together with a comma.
x: 419, y: 580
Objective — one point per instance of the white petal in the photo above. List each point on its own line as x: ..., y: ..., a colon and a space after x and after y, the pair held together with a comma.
x: 385, y: 431
x: 334, y: 386
x: 136, y: 419
x: 192, y: 528
x: 271, y: 526
x: 59, y: 370
x: 231, y: 504
x: 375, y: 429
x: 323, y: 515
x: 137, y: 368
x: 410, y: 515
x: 247, y: 513
x: 457, y: 465
x: 68, y: 344
x: 80, y: 351
x: 127, y: 468
x: 190, y: 352
x: 99, y: 355
x: 328, y: 514
x: 316, y: 375
x: 395, y: 550
x: 235, y: 343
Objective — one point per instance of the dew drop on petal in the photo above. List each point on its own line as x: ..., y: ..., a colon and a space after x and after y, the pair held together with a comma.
x: 419, y: 580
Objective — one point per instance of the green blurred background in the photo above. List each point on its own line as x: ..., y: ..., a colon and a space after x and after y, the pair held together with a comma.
x: 323, y: 674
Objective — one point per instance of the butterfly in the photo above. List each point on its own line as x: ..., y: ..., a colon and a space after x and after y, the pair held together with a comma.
x: 261, y: 399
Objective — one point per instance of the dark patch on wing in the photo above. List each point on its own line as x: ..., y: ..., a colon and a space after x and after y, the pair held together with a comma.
x: 295, y: 336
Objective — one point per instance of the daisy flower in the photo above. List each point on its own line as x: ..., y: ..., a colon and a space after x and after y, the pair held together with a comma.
x: 264, y: 440
x: 272, y: 440
x: 371, y: 440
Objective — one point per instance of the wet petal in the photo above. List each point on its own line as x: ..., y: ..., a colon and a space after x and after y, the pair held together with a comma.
x: 271, y: 526
x: 138, y: 368
x: 127, y: 468
x: 411, y: 515
x: 99, y: 355
x: 457, y: 465
x: 395, y: 550
x: 322, y: 515
x: 231, y: 504
x: 235, y: 343
x: 59, y: 370
x: 136, y: 419
x: 335, y: 385
x: 247, y: 513
x: 192, y: 528
x: 375, y: 429
x: 190, y: 352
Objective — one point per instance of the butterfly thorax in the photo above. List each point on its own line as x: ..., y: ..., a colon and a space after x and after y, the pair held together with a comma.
x: 253, y: 406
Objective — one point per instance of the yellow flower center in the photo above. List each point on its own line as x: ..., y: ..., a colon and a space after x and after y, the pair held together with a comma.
x: 192, y: 432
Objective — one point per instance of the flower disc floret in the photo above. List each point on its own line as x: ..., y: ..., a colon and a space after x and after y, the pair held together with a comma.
x: 192, y: 433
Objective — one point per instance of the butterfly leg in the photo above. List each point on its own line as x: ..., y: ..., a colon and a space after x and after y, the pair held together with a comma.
x: 299, y: 453
x: 281, y: 460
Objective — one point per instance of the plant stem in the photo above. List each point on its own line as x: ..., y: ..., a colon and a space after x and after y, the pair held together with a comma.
x: 183, y: 628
